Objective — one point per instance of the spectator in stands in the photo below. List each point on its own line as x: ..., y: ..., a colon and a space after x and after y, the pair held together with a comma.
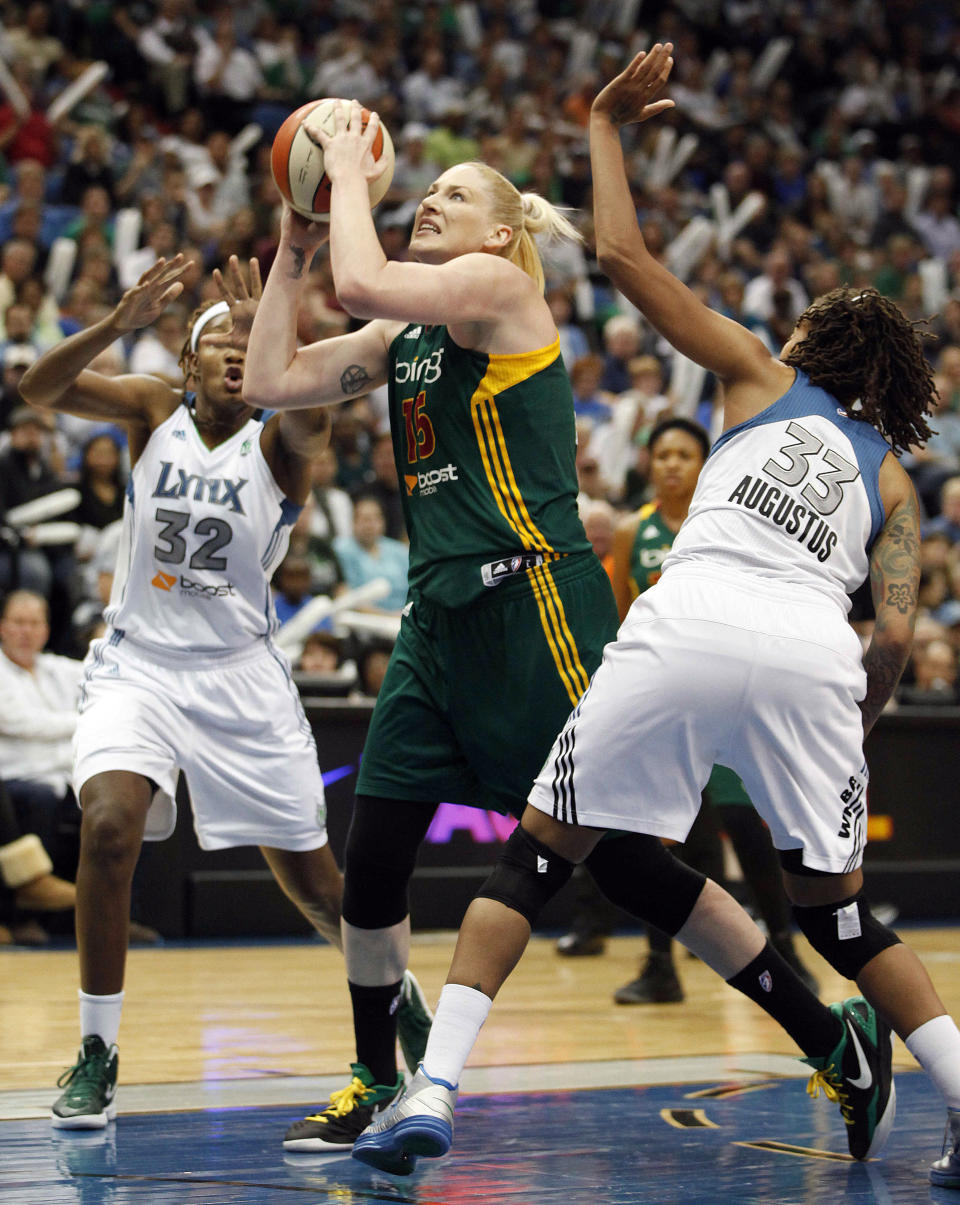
x: 26, y: 875
x: 934, y: 676
x: 758, y: 298
x: 368, y: 554
x: 292, y: 588
x: 621, y: 341
x: 90, y: 164
x: 591, y: 403
x: 29, y: 135
x: 227, y: 75
x: 383, y: 484
x: 948, y: 520
x: 38, y: 715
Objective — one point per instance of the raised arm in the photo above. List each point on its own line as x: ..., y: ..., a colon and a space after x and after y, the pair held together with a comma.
x: 894, y: 582
x: 60, y: 379
x: 280, y: 376
x: 475, y: 286
x: 703, y: 335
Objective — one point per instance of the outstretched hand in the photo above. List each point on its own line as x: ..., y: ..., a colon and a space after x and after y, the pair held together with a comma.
x: 152, y: 293
x: 242, y: 298
x: 631, y: 96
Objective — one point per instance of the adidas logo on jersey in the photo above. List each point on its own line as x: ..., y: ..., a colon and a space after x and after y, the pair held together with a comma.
x: 415, y: 333
x: 651, y: 532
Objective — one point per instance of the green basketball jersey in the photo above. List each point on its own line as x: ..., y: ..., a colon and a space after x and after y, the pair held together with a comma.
x: 653, y: 541
x: 485, y: 450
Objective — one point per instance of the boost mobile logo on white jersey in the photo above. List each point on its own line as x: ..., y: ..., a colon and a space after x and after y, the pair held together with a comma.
x: 427, y: 483
x: 423, y: 371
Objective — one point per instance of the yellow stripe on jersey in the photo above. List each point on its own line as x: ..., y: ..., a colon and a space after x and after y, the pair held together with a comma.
x: 503, y: 372
x: 557, y: 631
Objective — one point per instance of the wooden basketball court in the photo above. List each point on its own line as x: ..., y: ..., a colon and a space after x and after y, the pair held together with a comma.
x: 568, y: 1096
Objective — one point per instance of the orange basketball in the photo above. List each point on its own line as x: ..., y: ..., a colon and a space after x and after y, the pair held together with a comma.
x: 297, y: 161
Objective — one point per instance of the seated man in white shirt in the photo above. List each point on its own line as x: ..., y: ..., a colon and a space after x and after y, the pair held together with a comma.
x: 38, y: 715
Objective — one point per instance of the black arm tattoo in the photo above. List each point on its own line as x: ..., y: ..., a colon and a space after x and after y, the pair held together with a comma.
x: 299, y: 261
x: 895, y: 583
x: 354, y: 379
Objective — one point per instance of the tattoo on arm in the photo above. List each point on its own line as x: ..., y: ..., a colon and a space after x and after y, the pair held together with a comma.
x: 354, y: 379
x: 299, y: 261
x: 895, y: 582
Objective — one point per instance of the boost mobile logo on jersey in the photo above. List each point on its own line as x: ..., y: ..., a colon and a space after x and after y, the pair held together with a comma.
x: 167, y: 581
x: 427, y: 483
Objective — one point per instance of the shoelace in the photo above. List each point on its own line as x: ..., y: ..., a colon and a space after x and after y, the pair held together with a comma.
x: 85, y: 1071
x: 832, y: 1090
x: 343, y: 1101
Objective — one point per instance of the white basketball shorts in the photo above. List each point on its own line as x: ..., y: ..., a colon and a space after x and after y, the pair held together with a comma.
x: 713, y: 668
x: 235, y: 727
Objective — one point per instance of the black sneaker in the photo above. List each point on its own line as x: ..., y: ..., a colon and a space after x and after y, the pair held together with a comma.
x: 350, y: 1111
x: 89, y: 1099
x: 858, y: 1075
x: 656, y: 984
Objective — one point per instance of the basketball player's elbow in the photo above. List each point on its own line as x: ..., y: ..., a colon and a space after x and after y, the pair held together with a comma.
x: 261, y: 391
x: 359, y: 299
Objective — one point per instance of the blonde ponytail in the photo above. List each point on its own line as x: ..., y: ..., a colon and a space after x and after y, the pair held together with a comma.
x: 527, y: 214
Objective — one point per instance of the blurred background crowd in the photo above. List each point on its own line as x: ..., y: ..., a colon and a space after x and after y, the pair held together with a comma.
x: 812, y: 145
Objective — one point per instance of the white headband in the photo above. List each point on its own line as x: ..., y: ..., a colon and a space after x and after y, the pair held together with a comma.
x: 215, y: 311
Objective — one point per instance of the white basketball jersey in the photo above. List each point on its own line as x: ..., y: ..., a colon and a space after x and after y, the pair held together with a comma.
x: 203, y: 530
x: 791, y: 495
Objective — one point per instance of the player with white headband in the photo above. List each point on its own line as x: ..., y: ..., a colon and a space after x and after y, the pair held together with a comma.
x: 187, y: 676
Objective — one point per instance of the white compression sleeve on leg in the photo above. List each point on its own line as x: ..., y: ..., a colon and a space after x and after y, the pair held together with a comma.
x: 375, y: 957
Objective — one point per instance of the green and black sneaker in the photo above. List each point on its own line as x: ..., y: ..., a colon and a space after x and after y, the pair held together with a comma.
x: 350, y: 1111
x: 90, y: 1088
x: 858, y: 1075
x: 414, y: 1020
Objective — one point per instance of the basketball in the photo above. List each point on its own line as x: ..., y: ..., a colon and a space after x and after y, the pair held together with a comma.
x: 297, y: 161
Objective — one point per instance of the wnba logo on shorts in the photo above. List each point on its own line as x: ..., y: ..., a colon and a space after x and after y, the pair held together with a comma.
x: 164, y: 581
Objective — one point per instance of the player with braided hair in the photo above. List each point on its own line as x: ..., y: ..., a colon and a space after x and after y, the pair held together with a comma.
x: 858, y: 346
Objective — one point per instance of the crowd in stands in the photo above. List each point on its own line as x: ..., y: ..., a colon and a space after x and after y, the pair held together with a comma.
x: 812, y: 145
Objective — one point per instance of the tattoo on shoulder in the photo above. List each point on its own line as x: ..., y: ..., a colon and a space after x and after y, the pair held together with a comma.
x: 299, y: 261
x: 354, y: 379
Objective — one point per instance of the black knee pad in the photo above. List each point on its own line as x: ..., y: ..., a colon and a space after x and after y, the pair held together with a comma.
x: 846, y: 934
x: 379, y: 859
x: 527, y: 875
x: 640, y: 875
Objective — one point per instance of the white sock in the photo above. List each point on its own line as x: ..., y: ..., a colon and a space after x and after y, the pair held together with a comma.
x: 936, y: 1047
x: 459, y: 1018
x: 100, y: 1015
